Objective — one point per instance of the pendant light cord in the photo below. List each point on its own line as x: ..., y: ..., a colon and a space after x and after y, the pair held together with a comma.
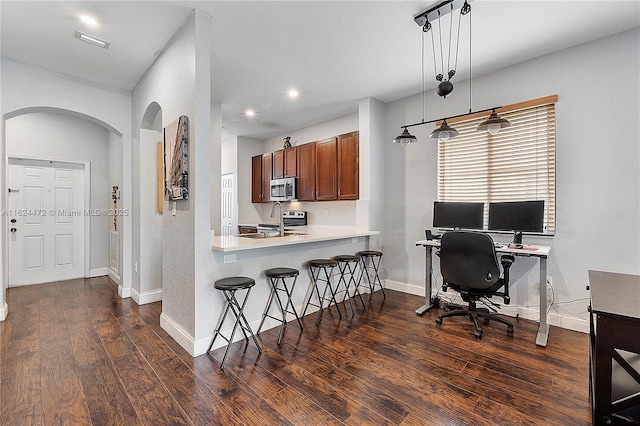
x: 469, y: 60
x: 422, y: 70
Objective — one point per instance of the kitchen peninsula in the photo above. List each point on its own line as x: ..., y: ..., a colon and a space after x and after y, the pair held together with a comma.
x: 237, y: 255
x: 302, y: 235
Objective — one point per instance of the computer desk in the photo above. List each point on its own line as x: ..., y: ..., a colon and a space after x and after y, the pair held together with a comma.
x: 541, y: 252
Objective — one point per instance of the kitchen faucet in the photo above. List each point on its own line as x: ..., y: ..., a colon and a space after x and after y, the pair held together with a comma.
x: 281, y: 226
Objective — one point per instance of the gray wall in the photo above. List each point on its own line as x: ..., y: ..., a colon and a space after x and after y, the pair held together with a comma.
x: 598, y: 177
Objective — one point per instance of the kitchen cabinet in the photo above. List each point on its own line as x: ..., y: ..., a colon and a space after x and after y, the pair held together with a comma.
x: 247, y: 229
x: 348, y: 166
x: 285, y: 163
x: 261, y: 177
x: 326, y: 170
x: 306, y: 184
x: 256, y: 179
x: 267, y: 165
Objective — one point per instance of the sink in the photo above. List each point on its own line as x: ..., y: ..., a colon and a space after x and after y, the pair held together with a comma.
x: 269, y: 234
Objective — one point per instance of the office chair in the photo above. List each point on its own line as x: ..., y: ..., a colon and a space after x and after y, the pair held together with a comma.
x: 469, y: 265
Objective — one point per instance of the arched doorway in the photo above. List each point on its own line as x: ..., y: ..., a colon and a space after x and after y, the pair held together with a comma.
x: 147, y: 282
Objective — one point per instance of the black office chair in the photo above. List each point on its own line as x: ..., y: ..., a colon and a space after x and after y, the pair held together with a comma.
x: 469, y: 265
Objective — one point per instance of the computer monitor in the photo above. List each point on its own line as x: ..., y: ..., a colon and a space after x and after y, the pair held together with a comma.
x: 461, y: 215
x: 517, y: 216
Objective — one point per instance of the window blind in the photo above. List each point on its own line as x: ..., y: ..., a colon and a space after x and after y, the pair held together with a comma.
x: 517, y: 164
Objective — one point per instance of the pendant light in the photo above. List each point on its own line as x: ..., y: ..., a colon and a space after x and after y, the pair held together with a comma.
x: 405, y: 138
x: 444, y: 132
x: 494, y: 123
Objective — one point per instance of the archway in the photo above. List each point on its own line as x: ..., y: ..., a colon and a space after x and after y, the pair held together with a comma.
x: 147, y: 282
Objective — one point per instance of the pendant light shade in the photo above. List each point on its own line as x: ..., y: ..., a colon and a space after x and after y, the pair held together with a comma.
x: 405, y: 138
x: 444, y: 132
x: 494, y: 123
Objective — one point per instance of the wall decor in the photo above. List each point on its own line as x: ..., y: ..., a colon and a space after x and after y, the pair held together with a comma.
x: 176, y: 159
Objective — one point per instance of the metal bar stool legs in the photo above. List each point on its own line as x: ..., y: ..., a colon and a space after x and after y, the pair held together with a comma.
x: 371, y: 259
x: 347, y: 265
x: 229, y: 286
x: 277, y: 279
x: 324, y: 267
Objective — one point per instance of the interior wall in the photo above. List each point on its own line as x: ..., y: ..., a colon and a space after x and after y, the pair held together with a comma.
x: 115, y: 178
x: 169, y: 82
x: 67, y: 138
x: 26, y: 89
x: 248, y: 213
x: 597, y: 174
x: 150, y: 228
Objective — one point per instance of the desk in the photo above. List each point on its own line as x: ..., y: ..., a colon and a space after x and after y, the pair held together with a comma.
x: 615, y: 327
x: 542, y: 253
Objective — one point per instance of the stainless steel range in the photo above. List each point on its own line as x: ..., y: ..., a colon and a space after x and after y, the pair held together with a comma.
x: 289, y: 217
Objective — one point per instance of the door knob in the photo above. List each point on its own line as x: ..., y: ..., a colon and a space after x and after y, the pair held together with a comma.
x: 13, y: 229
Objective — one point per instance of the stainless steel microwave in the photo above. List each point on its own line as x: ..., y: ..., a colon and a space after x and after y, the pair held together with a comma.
x: 283, y: 189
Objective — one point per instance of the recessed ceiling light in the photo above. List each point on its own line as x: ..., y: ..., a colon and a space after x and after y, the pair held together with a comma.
x: 89, y: 20
x: 92, y: 39
x: 249, y: 113
x: 293, y: 93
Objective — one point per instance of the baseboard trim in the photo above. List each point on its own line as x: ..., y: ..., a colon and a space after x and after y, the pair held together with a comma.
x: 112, y: 274
x: 404, y: 287
x: 98, y: 272
x: 4, y: 311
x: 124, y: 292
x: 147, y: 296
x: 183, y: 338
x: 555, y: 319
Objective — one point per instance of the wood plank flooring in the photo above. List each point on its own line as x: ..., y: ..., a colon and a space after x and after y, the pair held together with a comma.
x: 74, y: 353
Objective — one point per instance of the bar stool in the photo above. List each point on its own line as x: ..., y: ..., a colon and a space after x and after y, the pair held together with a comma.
x: 324, y: 267
x: 347, y: 265
x: 277, y: 279
x: 371, y: 261
x: 229, y: 286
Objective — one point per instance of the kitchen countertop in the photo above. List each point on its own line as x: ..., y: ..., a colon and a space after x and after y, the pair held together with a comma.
x: 305, y: 234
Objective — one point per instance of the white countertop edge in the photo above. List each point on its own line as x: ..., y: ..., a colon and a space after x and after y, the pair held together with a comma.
x: 234, y: 243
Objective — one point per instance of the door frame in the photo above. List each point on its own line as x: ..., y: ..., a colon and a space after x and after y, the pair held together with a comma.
x: 87, y: 206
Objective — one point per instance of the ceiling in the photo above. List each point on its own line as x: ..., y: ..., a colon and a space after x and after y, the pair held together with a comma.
x: 333, y: 52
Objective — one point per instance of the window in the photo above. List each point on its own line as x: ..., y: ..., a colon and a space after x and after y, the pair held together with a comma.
x: 517, y: 164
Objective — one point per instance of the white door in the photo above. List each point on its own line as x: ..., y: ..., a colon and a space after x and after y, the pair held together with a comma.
x: 46, y: 221
x: 229, y: 210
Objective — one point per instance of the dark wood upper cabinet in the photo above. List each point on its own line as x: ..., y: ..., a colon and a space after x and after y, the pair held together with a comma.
x: 291, y: 162
x: 306, y: 185
x: 267, y: 164
x: 326, y: 170
x: 256, y: 179
x: 285, y: 163
x: 348, y: 166
x: 278, y: 164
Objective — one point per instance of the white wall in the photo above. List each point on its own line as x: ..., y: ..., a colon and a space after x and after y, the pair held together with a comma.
x: 179, y: 82
x: 248, y: 213
x: 598, y: 173
x: 62, y: 137
x: 27, y: 89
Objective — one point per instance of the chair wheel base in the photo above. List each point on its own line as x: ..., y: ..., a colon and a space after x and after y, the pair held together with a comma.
x: 439, y: 321
x: 509, y: 331
x: 478, y: 334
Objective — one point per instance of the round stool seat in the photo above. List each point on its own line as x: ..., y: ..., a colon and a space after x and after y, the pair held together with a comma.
x: 281, y: 272
x: 369, y: 253
x: 346, y: 258
x: 234, y: 283
x: 322, y: 263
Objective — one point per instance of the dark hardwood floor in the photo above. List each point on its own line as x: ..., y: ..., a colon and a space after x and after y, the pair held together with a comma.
x: 74, y: 353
